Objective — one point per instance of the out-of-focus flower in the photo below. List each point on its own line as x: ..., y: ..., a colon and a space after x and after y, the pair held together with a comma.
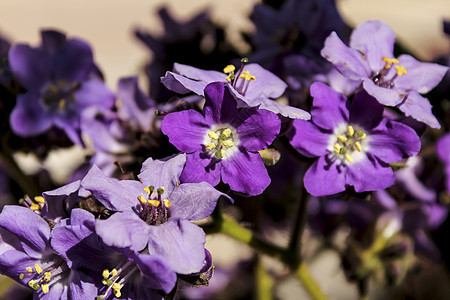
x: 443, y: 151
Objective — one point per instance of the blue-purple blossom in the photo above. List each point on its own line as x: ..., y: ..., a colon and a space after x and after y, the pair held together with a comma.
x: 443, y: 152
x: 251, y: 86
x: 60, y: 81
x: 353, y: 142
x: 155, y: 212
x: 223, y: 142
x: 392, y: 81
x: 27, y: 256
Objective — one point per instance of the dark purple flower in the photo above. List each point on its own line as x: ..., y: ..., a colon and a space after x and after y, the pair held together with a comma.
x: 27, y: 256
x: 251, y: 86
x: 443, y: 151
x: 155, y: 213
x: 353, y: 142
x: 393, y: 82
x: 223, y: 143
x: 61, y: 81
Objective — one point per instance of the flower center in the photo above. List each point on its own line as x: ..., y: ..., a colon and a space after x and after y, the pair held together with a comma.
x: 56, y: 96
x: 348, y: 144
x: 221, y: 141
x: 241, y: 81
x: 43, y: 276
x: 153, y: 210
x: 383, y: 79
x: 115, y: 279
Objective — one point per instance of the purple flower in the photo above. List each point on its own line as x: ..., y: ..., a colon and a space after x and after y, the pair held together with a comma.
x: 251, y: 86
x: 155, y: 213
x: 443, y: 151
x: 27, y: 256
x: 392, y: 81
x: 223, y: 142
x: 353, y: 142
x: 60, y: 80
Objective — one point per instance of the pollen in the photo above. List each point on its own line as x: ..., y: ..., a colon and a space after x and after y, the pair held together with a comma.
x: 38, y: 268
x: 401, y: 70
x: 337, y: 147
x: 210, y: 146
x: 349, y: 158
x: 358, y: 146
x: 351, y: 131
x: 34, y: 207
x: 230, y: 77
x: 229, y: 69
x: 212, y: 135
x: 226, y: 132
x: 167, y: 203
x: 154, y: 203
x: 105, y: 274
x: 147, y: 190
x: 142, y: 199
x: 45, y: 288
x: 47, y: 276
x: 228, y: 144
x: 342, y: 138
x: 114, y: 272
x: 39, y: 199
x: 31, y: 283
x: 29, y: 269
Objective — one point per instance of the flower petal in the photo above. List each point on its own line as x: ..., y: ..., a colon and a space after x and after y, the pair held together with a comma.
x: 201, y: 167
x: 220, y: 106
x: 308, y: 139
x: 324, y: 177
x: 164, y: 173
x: 365, y: 110
x: 28, y: 117
x: 385, y: 96
x: 419, y: 108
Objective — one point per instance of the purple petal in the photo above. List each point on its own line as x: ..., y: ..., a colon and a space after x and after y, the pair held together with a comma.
x: 124, y: 230
x: 28, y: 226
x: 309, y: 139
x: 94, y: 93
x: 81, y: 286
x: 52, y: 41
x: 324, y: 177
x: 194, y: 201
x: 162, y: 173
x: 256, y: 128
x: 28, y: 117
x: 385, y: 96
x: 369, y: 175
x: 186, y: 130
x: 350, y: 62
x: 384, y: 199
x: 407, y: 177
x: 60, y: 201
x: 329, y: 107
x: 157, y: 272
x: 443, y: 148
x: 365, y: 110
x: 201, y: 167
x: 220, y: 106
x: 393, y: 141
x: 245, y: 172
x: 421, y: 77
x: 419, y: 108
x: 30, y: 66
x: 114, y: 194
x: 181, y: 243
x: 375, y: 40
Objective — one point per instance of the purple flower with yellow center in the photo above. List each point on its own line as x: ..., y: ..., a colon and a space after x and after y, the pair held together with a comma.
x: 223, y: 142
x: 353, y: 142
x: 61, y: 81
x: 251, y: 86
x: 155, y: 213
x: 27, y: 256
x: 392, y: 81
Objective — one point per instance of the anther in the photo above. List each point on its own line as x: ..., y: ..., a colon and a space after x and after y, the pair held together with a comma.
x: 229, y: 69
x: 105, y: 274
x: 142, y: 199
x: 45, y: 288
x: 38, y: 268
x: 358, y: 146
x: 342, y: 138
x: 351, y: 131
x: 226, y: 132
x: 401, y: 70
x: 47, y: 276
x: 114, y: 272
x: 154, y: 203
x: 349, y: 158
x: 167, y: 203
x: 34, y: 207
x: 228, y: 144
x: 213, y: 135
x: 147, y: 190
x: 210, y: 146
x: 39, y: 199
x: 337, y: 147
x: 29, y: 269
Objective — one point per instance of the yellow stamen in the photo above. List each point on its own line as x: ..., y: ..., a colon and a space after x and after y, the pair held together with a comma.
x: 226, y: 132
x: 154, y: 203
x: 45, y: 288
x: 351, y: 131
x: 31, y: 283
x: 230, y: 77
x: 34, y: 207
x: 349, y: 158
x: 29, y: 269
x: 47, y: 276
x: 104, y: 282
x: 105, y: 274
x: 117, y: 293
x: 229, y: 69
x: 395, y: 61
x: 37, y: 268
x: 142, y: 200
x: 342, y: 138
x: 358, y: 146
x: 210, y: 146
x: 222, y: 153
x: 167, y: 203
x: 386, y: 60
x: 401, y: 70
x: 337, y: 147
x: 39, y: 199
x: 245, y: 75
x: 228, y: 143
x: 116, y: 286
x: 252, y: 78
x: 114, y: 272
x: 213, y: 135
x: 147, y: 190
x: 363, y: 136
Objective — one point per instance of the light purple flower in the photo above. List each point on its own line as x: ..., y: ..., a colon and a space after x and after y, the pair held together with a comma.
x: 353, y: 142
x: 392, y: 81
x: 223, y: 143
x: 155, y: 213
x: 443, y: 151
x: 61, y: 81
x: 252, y: 86
x: 27, y: 256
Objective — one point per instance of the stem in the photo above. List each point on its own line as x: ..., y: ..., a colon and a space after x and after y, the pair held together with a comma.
x: 309, y: 283
x: 264, y: 282
x: 299, y: 225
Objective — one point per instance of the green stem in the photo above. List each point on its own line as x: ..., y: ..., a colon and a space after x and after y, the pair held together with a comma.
x: 309, y: 283
x: 264, y: 282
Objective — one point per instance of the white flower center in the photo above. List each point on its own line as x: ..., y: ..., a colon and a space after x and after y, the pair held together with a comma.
x: 221, y: 141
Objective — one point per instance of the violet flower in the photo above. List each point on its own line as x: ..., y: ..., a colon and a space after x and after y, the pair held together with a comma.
x: 27, y: 256
x: 223, y: 143
x: 60, y: 80
x: 155, y: 213
x: 251, y: 86
x: 353, y: 142
x: 443, y: 152
x: 392, y: 81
